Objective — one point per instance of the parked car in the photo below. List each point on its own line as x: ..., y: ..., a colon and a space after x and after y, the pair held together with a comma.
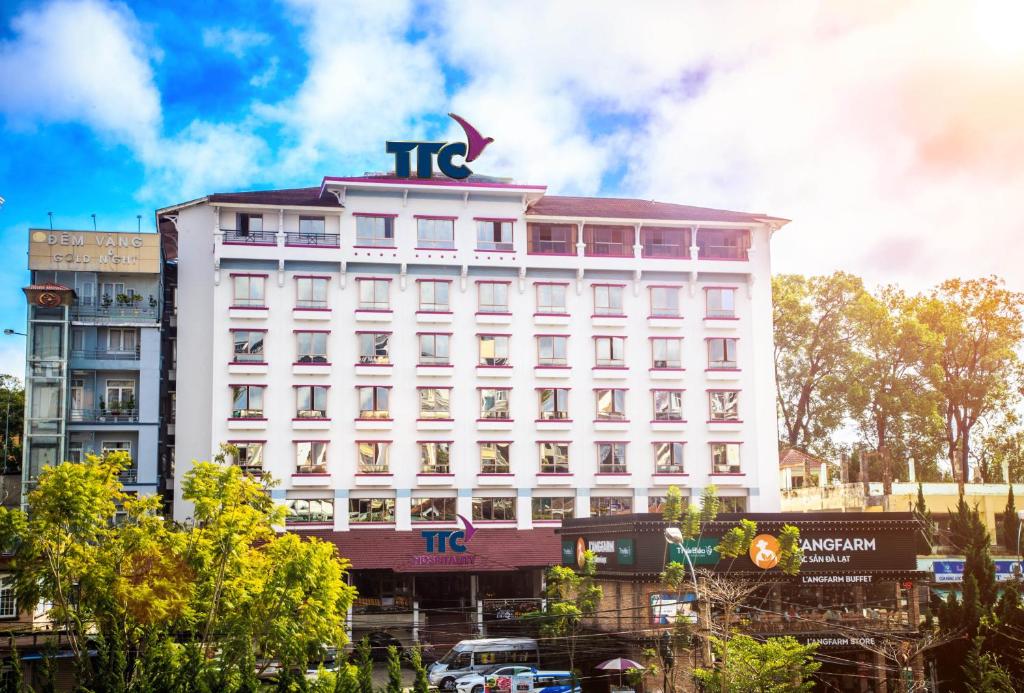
x: 474, y: 683
x: 556, y: 682
x: 473, y: 656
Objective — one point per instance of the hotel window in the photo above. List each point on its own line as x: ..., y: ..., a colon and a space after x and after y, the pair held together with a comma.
x: 364, y: 510
x: 551, y: 239
x: 494, y: 349
x: 248, y: 346
x: 121, y: 340
x: 77, y: 339
x: 434, y: 234
x: 494, y: 403
x: 724, y: 405
x: 551, y: 350
x: 611, y: 458
x: 373, y: 456
x: 656, y: 504
x: 668, y: 405
x: 602, y: 506
x: 247, y: 401
x: 435, y: 458
x: 435, y: 402
x: 373, y: 402
x: 665, y: 242
x: 434, y: 296
x: 374, y: 294
x: 722, y: 352
x: 554, y: 458
x: 374, y: 347
x: 607, y: 300
x: 721, y: 303
x: 494, y: 457
x: 77, y: 398
x: 311, y: 402
x: 734, y: 504
x: 494, y: 509
x: 493, y: 234
x: 75, y: 452
x: 311, y: 292
x: 611, y: 404
x: 248, y: 456
x: 432, y: 509
x: 608, y: 241
x: 667, y: 352
x: 8, y: 603
x: 378, y: 232
x: 311, y: 457
x: 248, y: 291
x: 312, y: 226
x: 723, y: 244
x: 492, y: 297
x: 548, y: 508
x: 665, y: 301
x: 554, y: 403
x: 725, y: 458
x: 309, y: 511
x: 668, y: 458
x: 249, y: 222
x: 120, y: 396
x: 610, y: 352
x: 434, y: 349
x: 551, y: 299
x: 311, y: 347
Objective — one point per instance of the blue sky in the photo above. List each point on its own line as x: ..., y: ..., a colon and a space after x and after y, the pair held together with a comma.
x: 888, y: 131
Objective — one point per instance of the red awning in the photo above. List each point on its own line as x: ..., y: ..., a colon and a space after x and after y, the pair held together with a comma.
x: 490, y: 550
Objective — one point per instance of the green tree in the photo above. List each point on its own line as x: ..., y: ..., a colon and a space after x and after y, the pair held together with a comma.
x: 420, y: 682
x: 12, y: 408
x: 364, y: 666
x: 1010, y: 523
x: 983, y: 673
x: 974, y: 329
x: 571, y: 596
x: 394, y: 684
x: 926, y: 517
x: 777, y: 665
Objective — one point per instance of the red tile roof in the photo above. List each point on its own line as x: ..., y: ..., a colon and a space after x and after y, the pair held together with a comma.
x: 300, y: 197
x: 628, y: 208
x: 791, y: 457
x: 490, y: 550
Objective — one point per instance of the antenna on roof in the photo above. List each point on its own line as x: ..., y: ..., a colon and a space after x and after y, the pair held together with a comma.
x: 50, y: 214
x: 93, y: 215
x: 138, y: 218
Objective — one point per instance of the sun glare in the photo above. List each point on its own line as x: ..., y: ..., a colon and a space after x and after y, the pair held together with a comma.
x: 998, y: 24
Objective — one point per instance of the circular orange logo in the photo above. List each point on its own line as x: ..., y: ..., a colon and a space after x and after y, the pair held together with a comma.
x: 581, y: 549
x: 764, y: 551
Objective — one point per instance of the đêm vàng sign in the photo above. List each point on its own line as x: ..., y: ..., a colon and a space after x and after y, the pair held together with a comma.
x: 94, y: 251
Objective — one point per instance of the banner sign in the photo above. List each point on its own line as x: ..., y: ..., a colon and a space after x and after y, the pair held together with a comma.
x: 701, y: 551
x: 91, y: 251
x: 953, y: 571
x: 667, y: 608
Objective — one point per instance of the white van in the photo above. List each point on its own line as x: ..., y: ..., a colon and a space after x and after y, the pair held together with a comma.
x: 472, y: 656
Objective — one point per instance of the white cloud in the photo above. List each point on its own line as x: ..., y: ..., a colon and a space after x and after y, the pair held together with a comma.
x: 262, y: 79
x: 233, y: 41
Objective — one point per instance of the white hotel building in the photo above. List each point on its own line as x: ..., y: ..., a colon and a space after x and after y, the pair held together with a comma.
x: 401, y: 351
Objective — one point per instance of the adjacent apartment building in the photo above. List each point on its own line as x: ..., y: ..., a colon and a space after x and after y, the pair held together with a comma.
x: 92, y: 371
x: 403, y: 352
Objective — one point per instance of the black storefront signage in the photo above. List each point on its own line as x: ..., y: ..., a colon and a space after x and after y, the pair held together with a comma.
x: 608, y: 552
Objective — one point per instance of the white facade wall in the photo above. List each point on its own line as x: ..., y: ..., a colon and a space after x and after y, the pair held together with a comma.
x: 205, y: 349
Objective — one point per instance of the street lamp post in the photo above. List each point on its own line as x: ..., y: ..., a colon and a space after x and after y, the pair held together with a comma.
x: 1020, y: 521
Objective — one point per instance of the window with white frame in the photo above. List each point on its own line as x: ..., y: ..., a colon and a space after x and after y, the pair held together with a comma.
x: 248, y: 455
x: 725, y: 458
x: 494, y: 349
x: 494, y: 403
x: 248, y: 345
x: 668, y: 405
x: 665, y: 301
x: 249, y: 222
x: 311, y: 292
x: 110, y: 446
x: 432, y: 509
x: 122, y: 340
x: 554, y: 403
x: 722, y: 352
x: 492, y: 297
x: 611, y: 458
x: 374, y: 294
x: 553, y: 508
x: 435, y: 457
x: 312, y: 226
x: 373, y: 456
x: 311, y: 457
x: 120, y: 395
x: 611, y: 404
x: 435, y: 296
x: 551, y: 299
x: 552, y: 350
x: 311, y: 347
x: 75, y: 452
x: 610, y: 352
x: 374, y: 231
x: 495, y: 457
x: 435, y: 233
x: 305, y: 511
x: 668, y: 458
x: 434, y: 348
x: 247, y: 401
x: 496, y: 509
x: 435, y: 402
x: 494, y: 234
x: 603, y: 506
x: 721, y: 302
x: 374, y: 347
x: 375, y: 510
x: 724, y: 405
x: 373, y: 402
x: 77, y: 397
x: 311, y: 402
x: 554, y: 457
x: 8, y: 602
x: 249, y: 291
x: 732, y: 504
x: 608, y: 300
x: 667, y: 352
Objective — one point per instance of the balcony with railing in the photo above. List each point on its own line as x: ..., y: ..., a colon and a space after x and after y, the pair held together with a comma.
x: 124, y: 359
x: 244, y: 237
x: 312, y: 240
x: 104, y: 312
x: 106, y: 415
x: 723, y: 244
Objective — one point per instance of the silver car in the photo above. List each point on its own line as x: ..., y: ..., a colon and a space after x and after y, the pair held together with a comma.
x: 474, y: 683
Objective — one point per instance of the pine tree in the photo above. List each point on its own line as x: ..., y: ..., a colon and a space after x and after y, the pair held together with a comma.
x: 983, y: 673
x: 14, y: 682
x: 420, y: 683
x: 1010, y: 523
x: 921, y: 508
x: 394, y: 684
x: 364, y: 662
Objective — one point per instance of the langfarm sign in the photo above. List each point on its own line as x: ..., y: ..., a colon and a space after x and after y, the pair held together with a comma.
x: 445, y: 153
x: 446, y: 546
x: 93, y: 251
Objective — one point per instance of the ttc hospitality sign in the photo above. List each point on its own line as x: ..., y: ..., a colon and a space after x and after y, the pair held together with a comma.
x: 92, y: 251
